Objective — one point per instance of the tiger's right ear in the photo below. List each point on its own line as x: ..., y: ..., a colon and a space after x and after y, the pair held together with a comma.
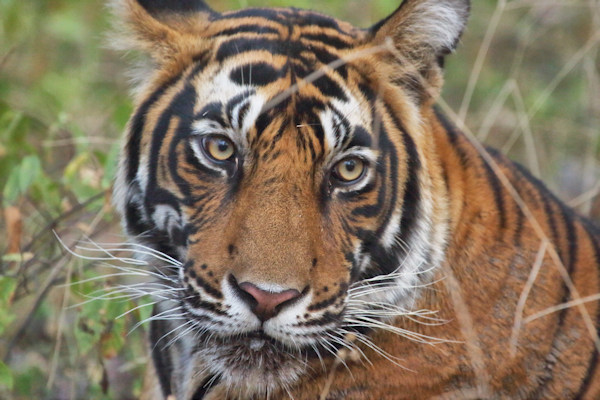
x: 167, y: 30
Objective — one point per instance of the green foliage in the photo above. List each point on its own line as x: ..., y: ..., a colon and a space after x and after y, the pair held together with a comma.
x: 7, y: 291
x: 7, y: 316
x: 21, y: 178
x: 64, y: 101
x: 6, y: 377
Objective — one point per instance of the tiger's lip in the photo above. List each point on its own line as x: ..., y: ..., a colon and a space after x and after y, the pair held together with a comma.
x: 260, y: 335
x: 256, y: 335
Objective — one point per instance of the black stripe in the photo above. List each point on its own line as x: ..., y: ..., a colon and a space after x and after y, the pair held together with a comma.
x: 256, y: 74
x: 325, y: 57
x: 548, y: 200
x: 237, y: 46
x: 497, y: 189
x: 360, y: 138
x: 358, y: 195
x: 205, y: 285
x: 341, y: 127
x: 267, y: 13
x: 205, y: 387
x: 412, y: 193
x: 137, y: 127
x: 163, y: 364
x: 568, y: 218
x: 385, y: 162
x: 327, y: 302
x: 180, y: 6
x: 328, y: 40
x: 181, y: 106
x: 387, y: 260
x: 136, y: 223
x: 326, y: 318
x: 213, y: 111
x: 193, y: 299
x: 235, y: 101
x: 453, y: 137
x: 248, y: 28
x: 307, y: 18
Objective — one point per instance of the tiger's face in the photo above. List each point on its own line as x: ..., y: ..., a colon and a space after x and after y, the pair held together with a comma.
x: 279, y: 157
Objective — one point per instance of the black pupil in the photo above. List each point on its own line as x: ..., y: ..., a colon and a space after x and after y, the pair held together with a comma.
x: 223, y: 145
x: 350, y: 165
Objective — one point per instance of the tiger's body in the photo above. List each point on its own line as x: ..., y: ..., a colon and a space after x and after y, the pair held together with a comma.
x: 337, y: 237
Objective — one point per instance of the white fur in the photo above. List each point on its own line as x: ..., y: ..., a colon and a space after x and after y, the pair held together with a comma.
x: 440, y: 23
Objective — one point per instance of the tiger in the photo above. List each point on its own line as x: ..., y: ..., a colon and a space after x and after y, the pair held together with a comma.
x: 333, y: 233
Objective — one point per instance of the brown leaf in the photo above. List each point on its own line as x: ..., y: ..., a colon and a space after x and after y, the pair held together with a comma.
x: 14, y: 229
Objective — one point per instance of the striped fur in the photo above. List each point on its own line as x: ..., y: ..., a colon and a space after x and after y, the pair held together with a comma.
x: 409, y: 276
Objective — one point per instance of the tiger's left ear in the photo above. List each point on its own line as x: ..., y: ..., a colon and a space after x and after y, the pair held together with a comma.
x: 167, y: 30
x: 422, y: 33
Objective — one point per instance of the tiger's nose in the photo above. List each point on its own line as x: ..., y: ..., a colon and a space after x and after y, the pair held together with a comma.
x: 264, y: 304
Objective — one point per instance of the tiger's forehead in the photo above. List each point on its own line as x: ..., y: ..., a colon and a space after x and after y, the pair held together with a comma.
x: 268, y: 70
x: 239, y: 97
x: 286, y: 23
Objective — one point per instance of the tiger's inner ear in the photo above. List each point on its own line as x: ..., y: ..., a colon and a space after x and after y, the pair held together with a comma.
x: 168, y: 30
x: 421, y: 32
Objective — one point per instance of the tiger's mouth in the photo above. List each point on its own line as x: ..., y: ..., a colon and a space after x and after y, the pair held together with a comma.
x: 261, y: 348
x: 258, y: 342
x: 252, y: 359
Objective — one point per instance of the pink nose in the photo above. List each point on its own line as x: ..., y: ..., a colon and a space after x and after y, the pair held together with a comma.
x: 268, y: 304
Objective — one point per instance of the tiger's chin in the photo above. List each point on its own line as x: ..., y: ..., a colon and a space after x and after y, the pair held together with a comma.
x: 254, y: 365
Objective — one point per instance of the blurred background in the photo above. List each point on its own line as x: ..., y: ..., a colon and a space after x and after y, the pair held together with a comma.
x: 526, y: 79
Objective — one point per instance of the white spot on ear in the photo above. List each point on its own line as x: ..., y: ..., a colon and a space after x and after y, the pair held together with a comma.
x: 440, y: 22
x: 433, y: 24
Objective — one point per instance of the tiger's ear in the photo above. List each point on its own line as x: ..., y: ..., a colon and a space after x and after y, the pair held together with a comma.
x: 422, y: 32
x: 167, y: 30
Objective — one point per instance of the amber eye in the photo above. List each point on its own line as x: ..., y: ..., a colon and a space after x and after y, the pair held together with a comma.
x: 219, y: 148
x: 349, y: 170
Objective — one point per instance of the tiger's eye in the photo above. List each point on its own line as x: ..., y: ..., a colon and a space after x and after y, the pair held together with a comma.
x: 349, y: 169
x: 219, y: 148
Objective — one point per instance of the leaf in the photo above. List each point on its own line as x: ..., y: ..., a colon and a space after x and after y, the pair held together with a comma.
x: 21, y: 178
x: 11, y: 190
x: 7, y: 289
x: 29, y: 170
x: 6, y: 377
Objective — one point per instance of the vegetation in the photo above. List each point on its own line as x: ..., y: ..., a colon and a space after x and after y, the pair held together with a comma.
x: 526, y: 77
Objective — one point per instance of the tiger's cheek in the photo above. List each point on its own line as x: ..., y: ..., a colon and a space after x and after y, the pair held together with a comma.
x: 209, y: 254
x: 330, y: 279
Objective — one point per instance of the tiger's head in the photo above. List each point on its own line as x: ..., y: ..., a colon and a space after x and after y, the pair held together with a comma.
x: 282, y: 157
